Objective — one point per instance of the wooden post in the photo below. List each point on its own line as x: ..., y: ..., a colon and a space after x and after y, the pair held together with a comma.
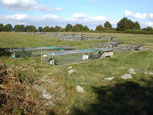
x: 53, y: 62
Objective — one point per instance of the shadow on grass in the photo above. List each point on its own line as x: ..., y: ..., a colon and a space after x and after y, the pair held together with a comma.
x: 128, y: 98
x: 4, y: 52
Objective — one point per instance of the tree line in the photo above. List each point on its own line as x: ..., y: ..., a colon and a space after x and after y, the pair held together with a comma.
x: 125, y: 25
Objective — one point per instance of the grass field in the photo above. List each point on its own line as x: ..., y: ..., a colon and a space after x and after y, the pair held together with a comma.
x: 118, y: 96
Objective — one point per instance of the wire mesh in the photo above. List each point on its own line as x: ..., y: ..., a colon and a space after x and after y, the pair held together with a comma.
x: 31, y: 52
x: 68, y: 57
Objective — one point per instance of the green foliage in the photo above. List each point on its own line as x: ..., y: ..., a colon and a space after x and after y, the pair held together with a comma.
x: 46, y: 29
x: 123, y: 24
x: 136, y: 25
x: 68, y: 28
x: 58, y: 28
x: 107, y: 25
x: 19, y: 28
x: 78, y: 28
x: 40, y: 29
x: 148, y: 29
x: 52, y: 29
x: 30, y: 28
x: 138, y: 31
x: 1, y: 27
x: 8, y: 28
x: 126, y: 24
x: 108, y: 97
x: 86, y: 29
x: 99, y: 28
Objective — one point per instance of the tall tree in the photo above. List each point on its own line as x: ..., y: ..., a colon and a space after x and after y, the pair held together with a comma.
x: 52, y: 29
x: 46, y: 29
x: 30, y: 28
x: 126, y: 24
x: 148, y: 28
x: 8, y: 28
x: 19, y: 28
x: 40, y: 29
x: 78, y: 28
x: 107, y: 25
x: 123, y: 24
x: 86, y: 29
x: 68, y: 28
x: 99, y: 28
x: 1, y: 27
x: 136, y: 25
x: 58, y: 28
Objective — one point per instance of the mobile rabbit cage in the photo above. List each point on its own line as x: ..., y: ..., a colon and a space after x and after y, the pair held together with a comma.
x: 31, y: 52
x: 69, y: 57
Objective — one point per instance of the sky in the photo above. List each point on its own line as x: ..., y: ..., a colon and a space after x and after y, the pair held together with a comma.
x: 86, y: 12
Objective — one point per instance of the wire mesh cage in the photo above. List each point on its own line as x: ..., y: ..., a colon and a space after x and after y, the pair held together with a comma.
x: 129, y: 47
x: 31, y: 52
x: 69, y: 57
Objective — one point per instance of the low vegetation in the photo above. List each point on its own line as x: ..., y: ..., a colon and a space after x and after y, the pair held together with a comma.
x: 100, y: 96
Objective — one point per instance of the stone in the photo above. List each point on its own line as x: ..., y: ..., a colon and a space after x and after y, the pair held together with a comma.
x: 70, y: 67
x: 80, y: 89
x: 126, y: 76
x: 71, y: 71
x: 150, y: 73
x: 46, y: 95
x: 132, y: 71
x: 50, y: 103
x: 109, y: 78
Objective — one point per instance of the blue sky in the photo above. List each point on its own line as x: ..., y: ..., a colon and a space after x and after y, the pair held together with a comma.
x: 86, y: 12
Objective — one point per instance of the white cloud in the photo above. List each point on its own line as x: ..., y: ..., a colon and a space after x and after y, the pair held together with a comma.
x: 79, y: 15
x: 98, y: 18
x: 149, y: 24
x: 151, y: 16
x: 136, y: 15
x: 26, y: 5
x: 16, y: 17
x: 53, y: 20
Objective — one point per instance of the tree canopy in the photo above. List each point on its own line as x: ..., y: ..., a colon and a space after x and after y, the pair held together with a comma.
x: 107, y: 25
x: 126, y: 24
x: 99, y: 28
x: 19, y: 28
x: 68, y: 28
x: 30, y: 28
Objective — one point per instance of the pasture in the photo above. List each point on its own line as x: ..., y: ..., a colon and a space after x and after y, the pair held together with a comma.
x: 100, y: 95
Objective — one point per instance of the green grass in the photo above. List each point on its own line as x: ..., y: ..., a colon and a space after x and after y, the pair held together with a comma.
x: 101, y: 96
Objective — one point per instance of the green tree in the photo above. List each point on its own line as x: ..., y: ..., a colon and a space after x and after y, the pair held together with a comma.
x: 40, y: 29
x: 78, y: 28
x: 123, y: 24
x: 19, y: 28
x: 99, y: 28
x: 58, y: 28
x: 148, y: 28
x: 68, y: 28
x: 46, y: 29
x: 30, y: 28
x: 8, y: 28
x: 136, y: 25
x: 86, y: 29
x: 1, y: 27
x: 52, y: 29
x: 107, y: 25
x: 126, y: 24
